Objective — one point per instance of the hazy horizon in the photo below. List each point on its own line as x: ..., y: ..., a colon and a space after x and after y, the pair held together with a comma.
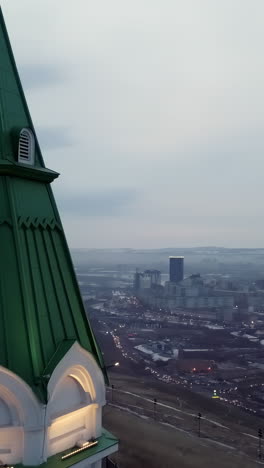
x: 202, y: 247
x: 153, y: 114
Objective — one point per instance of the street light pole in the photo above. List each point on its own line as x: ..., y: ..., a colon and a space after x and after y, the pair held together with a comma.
x: 155, y: 407
x: 199, y: 417
x: 259, y: 449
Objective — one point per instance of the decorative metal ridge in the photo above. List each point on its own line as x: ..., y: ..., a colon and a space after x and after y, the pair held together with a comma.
x: 8, y: 168
x: 37, y: 222
x: 5, y: 221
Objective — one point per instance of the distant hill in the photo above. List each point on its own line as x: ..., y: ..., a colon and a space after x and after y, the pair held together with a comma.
x: 202, y: 259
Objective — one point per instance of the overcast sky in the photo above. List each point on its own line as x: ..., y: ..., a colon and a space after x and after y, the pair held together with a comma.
x: 153, y: 113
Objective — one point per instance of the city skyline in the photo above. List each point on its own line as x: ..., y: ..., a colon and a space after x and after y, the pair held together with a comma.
x: 152, y: 113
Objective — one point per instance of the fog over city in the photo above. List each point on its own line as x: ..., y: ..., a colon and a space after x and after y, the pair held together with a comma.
x: 153, y: 114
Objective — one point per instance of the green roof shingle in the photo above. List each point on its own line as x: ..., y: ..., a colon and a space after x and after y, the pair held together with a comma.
x: 41, y: 309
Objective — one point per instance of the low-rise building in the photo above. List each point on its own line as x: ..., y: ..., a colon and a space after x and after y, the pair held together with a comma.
x: 147, y: 279
x: 195, y: 365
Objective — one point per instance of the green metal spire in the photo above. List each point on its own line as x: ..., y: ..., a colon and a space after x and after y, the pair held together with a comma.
x: 41, y: 310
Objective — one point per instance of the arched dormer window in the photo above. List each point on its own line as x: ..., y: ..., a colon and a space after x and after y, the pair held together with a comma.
x: 26, y: 147
x: 20, y: 411
x: 76, y: 394
x: 68, y: 396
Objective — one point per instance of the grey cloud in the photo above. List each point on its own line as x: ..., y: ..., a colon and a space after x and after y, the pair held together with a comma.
x: 41, y: 75
x: 51, y: 138
x: 115, y: 202
x: 165, y: 101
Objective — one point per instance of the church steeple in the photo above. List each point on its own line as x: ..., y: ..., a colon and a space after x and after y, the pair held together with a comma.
x: 41, y: 310
x: 13, y: 111
x: 51, y: 369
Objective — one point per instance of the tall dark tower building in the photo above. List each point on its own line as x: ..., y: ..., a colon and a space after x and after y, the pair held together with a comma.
x: 176, y: 269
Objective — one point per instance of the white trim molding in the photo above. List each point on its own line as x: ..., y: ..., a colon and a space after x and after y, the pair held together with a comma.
x: 31, y: 431
x: 82, y: 417
x: 22, y: 440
